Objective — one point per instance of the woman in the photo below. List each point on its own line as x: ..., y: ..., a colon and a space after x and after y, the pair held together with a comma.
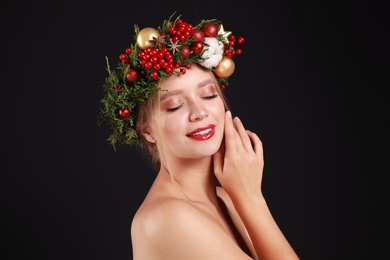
x: 185, y: 124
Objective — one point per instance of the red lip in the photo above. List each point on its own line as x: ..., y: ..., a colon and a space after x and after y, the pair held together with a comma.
x: 195, y: 135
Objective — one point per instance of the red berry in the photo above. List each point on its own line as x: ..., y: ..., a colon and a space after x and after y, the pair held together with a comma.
x: 168, y: 56
x: 124, y: 112
x: 197, y: 35
x: 210, y: 30
x: 148, y: 64
x: 182, y: 38
x: 154, y: 74
x: 132, y: 75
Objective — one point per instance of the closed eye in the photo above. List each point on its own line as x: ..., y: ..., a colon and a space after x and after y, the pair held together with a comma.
x: 173, y: 108
x: 211, y: 97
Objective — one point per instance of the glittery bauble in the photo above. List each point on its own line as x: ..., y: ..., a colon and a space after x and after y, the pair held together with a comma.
x: 145, y: 36
x: 210, y: 30
x: 197, y: 35
x: 185, y: 52
x: 225, y: 68
x: 132, y: 75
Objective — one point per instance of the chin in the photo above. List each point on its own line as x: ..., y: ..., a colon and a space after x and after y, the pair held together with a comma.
x: 212, y: 148
x: 202, y: 151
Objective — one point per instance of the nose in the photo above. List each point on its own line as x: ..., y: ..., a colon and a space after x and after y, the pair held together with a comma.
x: 198, y: 112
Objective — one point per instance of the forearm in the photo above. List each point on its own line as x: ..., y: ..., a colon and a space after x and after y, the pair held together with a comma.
x: 267, y: 238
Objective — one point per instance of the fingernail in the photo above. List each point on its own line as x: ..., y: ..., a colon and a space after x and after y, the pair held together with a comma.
x: 237, y: 120
x: 228, y: 114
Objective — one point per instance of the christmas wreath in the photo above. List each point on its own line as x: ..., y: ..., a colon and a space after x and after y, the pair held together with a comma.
x: 157, y: 54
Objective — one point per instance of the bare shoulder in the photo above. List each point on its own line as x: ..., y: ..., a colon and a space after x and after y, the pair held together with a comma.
x: 161, y: 216
x: 170, y: 228
x: 168, y: 219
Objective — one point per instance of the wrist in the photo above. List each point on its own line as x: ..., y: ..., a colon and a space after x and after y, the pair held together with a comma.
x: 248, y: 200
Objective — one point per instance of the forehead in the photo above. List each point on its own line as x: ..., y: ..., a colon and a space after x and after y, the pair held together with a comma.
x: 193, y: 78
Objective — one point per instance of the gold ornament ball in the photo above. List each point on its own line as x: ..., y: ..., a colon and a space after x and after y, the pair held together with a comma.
x: 145, y: 36
x: 225, y: 68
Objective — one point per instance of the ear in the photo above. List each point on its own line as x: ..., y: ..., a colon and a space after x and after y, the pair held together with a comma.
x: 148, y: 136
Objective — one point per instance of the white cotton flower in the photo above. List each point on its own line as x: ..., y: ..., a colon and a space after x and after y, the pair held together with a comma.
x: 212, y: 55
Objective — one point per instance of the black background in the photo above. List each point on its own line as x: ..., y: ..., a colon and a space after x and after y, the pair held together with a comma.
x: 311, y: 83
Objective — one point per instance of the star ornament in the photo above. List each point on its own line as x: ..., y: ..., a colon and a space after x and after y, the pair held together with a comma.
x: 158, y: 41
x: 225, y: 34
x: 117, y: 89
x: 174, y: 46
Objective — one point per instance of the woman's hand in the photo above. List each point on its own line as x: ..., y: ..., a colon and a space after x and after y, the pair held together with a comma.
x: 238, y: 165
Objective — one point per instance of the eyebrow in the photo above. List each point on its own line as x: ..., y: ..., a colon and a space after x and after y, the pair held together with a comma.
x: 174, y: 92
x: 171, y: 93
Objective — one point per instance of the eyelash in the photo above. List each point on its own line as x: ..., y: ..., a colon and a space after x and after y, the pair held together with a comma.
x: 173, y: 109
x: 207, y: 98
x: 212, y: 96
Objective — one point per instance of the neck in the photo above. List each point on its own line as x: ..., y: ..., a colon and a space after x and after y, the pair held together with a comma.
x: 195, y: 178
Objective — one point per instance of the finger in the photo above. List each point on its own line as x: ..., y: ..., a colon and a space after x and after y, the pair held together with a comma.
x: 230, y: 134
x: 245, y: 140
x: 218, y: 161
x: 257, y: 144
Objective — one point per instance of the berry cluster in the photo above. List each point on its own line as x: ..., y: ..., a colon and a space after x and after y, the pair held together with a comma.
x: 180, y: 30
x: 159, y: 57
x: 230, y: 51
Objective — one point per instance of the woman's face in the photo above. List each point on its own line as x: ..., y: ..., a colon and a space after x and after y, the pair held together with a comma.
x: 191, y: 114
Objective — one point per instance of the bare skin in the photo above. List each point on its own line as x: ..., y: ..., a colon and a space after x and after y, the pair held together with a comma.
x: 192, y: 218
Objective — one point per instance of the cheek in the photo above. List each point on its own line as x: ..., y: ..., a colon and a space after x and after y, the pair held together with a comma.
x: 169, y: 126
x: 221, y: 116
x: 172, y: 123
x: 219, y: 110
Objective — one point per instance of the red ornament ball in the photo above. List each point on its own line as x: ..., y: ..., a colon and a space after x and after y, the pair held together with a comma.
x: 197, y: 35
x: 197, y: 47
x: 132, y: 75
x: 124, y: 112
x: 210, y: 30
x: 185, y: 52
